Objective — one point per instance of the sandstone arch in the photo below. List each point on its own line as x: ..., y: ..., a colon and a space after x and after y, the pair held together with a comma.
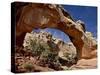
x: 48, y: 16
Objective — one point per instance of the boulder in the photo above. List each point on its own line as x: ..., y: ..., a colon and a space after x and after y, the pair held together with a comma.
x: 85, y: 64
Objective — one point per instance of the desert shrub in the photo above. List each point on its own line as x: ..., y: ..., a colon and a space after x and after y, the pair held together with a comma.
x: 36, y: 47
x: 28, y: 66
x: 46, y: 51
x: 70, y: 57
x: 49, y: 56
x: 40, y: 48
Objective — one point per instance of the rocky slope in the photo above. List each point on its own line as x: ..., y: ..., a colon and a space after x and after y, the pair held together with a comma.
x: 44, y: 50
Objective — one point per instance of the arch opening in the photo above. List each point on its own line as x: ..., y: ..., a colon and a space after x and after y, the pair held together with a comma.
x: 56, y: 40
x: 55, y: 33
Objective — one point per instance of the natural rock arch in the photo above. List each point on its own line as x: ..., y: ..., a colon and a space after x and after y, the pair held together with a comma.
x: 32, y: 16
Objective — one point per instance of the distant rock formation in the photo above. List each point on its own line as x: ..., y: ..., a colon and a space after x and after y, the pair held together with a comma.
x: 64, y: 51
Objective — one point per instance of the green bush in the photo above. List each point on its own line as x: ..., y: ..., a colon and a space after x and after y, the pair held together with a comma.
x: 69, y: 57
x: 36, y: 47
x: 43, y: 50
x: 28, y: 66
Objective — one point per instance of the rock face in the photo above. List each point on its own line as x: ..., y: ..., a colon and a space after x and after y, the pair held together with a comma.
x: 33, y: 16
x: 67, y: 52
x: 89, y: 53
x: 90, y: 46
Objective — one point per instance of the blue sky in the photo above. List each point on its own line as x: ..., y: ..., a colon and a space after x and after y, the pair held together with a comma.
x: 85, y: 13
